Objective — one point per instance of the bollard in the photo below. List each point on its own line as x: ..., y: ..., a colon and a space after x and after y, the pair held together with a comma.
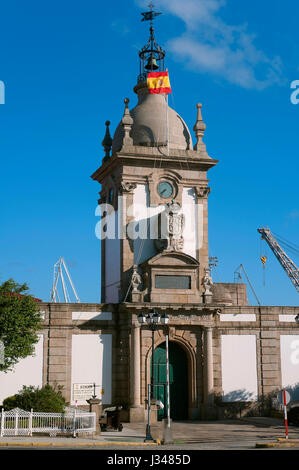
x: 167, y: 431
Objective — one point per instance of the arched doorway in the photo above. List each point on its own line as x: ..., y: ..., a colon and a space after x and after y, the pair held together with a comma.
x: 178, y: 379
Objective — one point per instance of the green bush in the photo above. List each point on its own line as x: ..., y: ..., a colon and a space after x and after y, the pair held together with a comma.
x: 46, y: 399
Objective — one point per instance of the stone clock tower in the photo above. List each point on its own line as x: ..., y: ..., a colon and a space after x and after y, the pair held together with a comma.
x: 156, y: 284
x: 154, y: 201
x: 154, y: 239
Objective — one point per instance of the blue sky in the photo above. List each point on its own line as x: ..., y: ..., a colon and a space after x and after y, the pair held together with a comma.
x: 68, y: 65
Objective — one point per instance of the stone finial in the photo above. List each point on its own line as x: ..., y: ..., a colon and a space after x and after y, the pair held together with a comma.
x: 127, y: 123
x: 107, y: 141
x: 199, y: 130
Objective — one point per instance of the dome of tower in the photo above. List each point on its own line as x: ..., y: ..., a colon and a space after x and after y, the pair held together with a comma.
x: 153, y: 119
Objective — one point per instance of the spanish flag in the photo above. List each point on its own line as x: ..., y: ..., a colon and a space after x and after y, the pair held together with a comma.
x: 158, y: 82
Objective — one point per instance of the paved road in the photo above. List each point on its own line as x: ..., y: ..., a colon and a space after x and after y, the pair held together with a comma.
x: 223, y: 434
x: 191, y: 435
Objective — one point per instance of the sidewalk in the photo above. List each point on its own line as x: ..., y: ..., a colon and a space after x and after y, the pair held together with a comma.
x: 128, y: 437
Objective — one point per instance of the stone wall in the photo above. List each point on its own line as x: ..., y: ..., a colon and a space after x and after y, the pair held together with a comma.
x: 188, y: 326
x: 230, y: 294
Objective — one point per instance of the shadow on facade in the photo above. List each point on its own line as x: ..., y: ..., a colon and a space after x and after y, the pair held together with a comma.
x: 293, y: 391
x: 238, y: 395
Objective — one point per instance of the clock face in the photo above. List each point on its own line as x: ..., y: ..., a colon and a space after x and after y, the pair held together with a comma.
x: 165, y: 189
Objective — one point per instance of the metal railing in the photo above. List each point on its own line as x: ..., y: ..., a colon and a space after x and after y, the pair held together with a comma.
x: 18, y: 422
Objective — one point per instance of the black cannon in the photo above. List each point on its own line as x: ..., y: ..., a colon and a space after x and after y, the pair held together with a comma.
x: 110, y: 420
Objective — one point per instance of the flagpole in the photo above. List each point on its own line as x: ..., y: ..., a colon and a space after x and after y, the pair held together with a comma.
x: 167, y: 125
x: 167, y: 383
x: 167, y: 128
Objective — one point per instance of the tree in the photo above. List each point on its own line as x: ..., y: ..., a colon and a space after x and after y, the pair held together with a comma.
x: 46, y: 399
x: 19, y: 322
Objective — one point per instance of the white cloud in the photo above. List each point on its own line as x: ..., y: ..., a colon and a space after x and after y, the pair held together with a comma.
x: 120, y: 26
x: 210, y: 45
x: 293, y: 215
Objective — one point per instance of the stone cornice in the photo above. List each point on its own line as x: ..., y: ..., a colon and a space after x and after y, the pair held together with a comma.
x: 192, y: 309
x: 148, y: 157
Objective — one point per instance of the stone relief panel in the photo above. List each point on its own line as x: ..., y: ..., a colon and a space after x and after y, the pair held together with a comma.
x: 170, y: 228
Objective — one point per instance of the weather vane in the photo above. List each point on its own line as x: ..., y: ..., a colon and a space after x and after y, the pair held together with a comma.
x: 151, y: 55
x: 150, y: 15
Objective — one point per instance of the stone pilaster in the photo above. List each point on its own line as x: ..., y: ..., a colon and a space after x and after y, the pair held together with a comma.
x: 59, y: 343
x: 126, y: 251
x: 201, y: 194
x: 136, y: 410
x: 209, y: 367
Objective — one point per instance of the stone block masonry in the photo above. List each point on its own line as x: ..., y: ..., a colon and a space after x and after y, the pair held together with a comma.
x: 188, y: 326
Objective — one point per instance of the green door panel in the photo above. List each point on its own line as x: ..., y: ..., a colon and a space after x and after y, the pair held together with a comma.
x: 178, y: 379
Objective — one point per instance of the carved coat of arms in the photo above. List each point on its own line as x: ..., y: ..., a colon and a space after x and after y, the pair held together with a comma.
x: 170, y: 228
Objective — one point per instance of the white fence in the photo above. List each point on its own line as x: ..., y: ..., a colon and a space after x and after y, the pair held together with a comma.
x: 18, y: 422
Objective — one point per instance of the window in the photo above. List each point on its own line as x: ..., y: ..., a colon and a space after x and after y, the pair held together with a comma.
x: 172, y: 282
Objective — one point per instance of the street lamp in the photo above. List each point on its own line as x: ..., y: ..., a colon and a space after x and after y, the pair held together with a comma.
x: 153, y: 319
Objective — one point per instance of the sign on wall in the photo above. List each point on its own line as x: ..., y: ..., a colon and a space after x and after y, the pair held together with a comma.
x: 82, y: 391
x: 86, y: 391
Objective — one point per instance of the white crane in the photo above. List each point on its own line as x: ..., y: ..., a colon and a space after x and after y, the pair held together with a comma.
x: 58, y: 273
x: 286, y: 262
